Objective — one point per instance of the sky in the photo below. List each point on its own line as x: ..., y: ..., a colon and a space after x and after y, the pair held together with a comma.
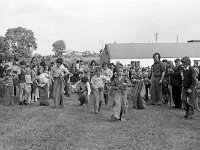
x: 89, y: 24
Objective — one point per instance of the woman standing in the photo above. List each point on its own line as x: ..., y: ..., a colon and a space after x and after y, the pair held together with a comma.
x: 74, y: 71
x: 58, y: 72
x: 92, y: 68
x: 34, y: 78
x: 34, y: 72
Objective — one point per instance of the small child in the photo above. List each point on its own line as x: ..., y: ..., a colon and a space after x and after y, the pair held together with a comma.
x: 83, y: 89
x: 97, y: 83
x: 34, y: 77
x: 120, y: 103
x: 28, y: 83
x: 9, y: 88
x: 22, y: 83
x: 43, y: 86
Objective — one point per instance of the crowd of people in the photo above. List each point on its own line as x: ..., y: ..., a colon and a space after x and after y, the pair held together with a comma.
x: 162, y: 83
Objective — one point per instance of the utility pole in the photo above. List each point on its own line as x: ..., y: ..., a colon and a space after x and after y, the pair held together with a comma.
x: 156, y: 36
x: 177, y: 38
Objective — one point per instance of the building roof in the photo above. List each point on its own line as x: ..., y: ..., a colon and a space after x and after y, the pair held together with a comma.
x: 146, y: 50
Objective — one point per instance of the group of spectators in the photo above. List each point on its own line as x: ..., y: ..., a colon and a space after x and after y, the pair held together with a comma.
x: 162, y: 83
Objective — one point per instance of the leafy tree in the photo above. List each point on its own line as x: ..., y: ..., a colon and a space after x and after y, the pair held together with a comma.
x: 21, y: 41
x: 59, y: 48
x: 3, y: 45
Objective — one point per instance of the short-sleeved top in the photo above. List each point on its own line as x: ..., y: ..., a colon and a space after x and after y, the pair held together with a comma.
x: 57, y: 71
x: 28, y: 79
x: 108, y: 73
x: 158, y: 68
x: 98, y: 82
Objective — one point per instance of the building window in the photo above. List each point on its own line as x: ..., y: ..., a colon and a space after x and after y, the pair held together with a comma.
x: 196, y: 62
x: 135, y: 64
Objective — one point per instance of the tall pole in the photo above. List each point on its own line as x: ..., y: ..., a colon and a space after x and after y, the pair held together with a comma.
x: 156, y: 37
x: 177, y: 38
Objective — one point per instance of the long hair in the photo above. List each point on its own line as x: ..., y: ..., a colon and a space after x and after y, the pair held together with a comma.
x: 157, y: 54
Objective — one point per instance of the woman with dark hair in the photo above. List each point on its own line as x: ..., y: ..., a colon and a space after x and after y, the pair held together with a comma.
x: 58, y: 73
x: 34, y: 61
x: 92, y: 68
x: 34, y: 77
x: 74, y: 71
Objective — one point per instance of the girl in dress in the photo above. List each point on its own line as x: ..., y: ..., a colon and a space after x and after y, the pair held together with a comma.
x: 34, y: 77
x: 92, y: 68
x: 28, y: 83
x: 43, y: 79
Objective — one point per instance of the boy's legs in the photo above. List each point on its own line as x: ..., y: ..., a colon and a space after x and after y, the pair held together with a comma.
x: 96, y: 101
x: 124, y: 106
x: 21, y: 92
x: 100, y: 100
x: 184, y: 102
x: 11, y: 93
x: 28, y: 93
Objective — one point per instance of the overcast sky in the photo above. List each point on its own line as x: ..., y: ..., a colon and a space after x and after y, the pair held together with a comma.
x: 86, y: 24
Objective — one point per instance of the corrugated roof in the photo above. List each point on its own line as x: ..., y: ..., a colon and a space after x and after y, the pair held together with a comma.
x: 146, y: 50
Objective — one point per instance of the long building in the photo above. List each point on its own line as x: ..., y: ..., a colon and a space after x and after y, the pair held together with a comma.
x: 142, y: 53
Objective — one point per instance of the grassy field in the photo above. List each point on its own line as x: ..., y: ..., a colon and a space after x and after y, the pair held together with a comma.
x: 78, y: 128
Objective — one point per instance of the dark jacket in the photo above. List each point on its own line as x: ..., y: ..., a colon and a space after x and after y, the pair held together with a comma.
x: 175, y: 77
x: 2, y: 71
x: 189, y: 80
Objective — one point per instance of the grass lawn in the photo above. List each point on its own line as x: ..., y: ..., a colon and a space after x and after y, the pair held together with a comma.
x: 75, y: 127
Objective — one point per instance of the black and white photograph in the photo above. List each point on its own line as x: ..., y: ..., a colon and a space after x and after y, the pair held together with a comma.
x: 100, y: 75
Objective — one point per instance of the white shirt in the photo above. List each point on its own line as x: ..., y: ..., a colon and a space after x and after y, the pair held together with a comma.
x: 57, y: 71
x: 98, y: 82
x: 108, y: 73
x: 28, y: 79
x: 43, y: 78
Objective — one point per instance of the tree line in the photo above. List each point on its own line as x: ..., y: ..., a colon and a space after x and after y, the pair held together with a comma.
x: 21, y: 42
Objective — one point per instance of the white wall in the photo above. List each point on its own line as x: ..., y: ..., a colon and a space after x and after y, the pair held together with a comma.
x: 146, y: 62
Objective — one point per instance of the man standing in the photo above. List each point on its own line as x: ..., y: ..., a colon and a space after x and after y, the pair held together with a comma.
x: 188, y: 90
x: 158, y: 73
x: 176, y: 82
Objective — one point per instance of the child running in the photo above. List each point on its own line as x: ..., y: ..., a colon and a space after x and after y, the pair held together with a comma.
x: 120, y: 103
x: 97, y: 83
